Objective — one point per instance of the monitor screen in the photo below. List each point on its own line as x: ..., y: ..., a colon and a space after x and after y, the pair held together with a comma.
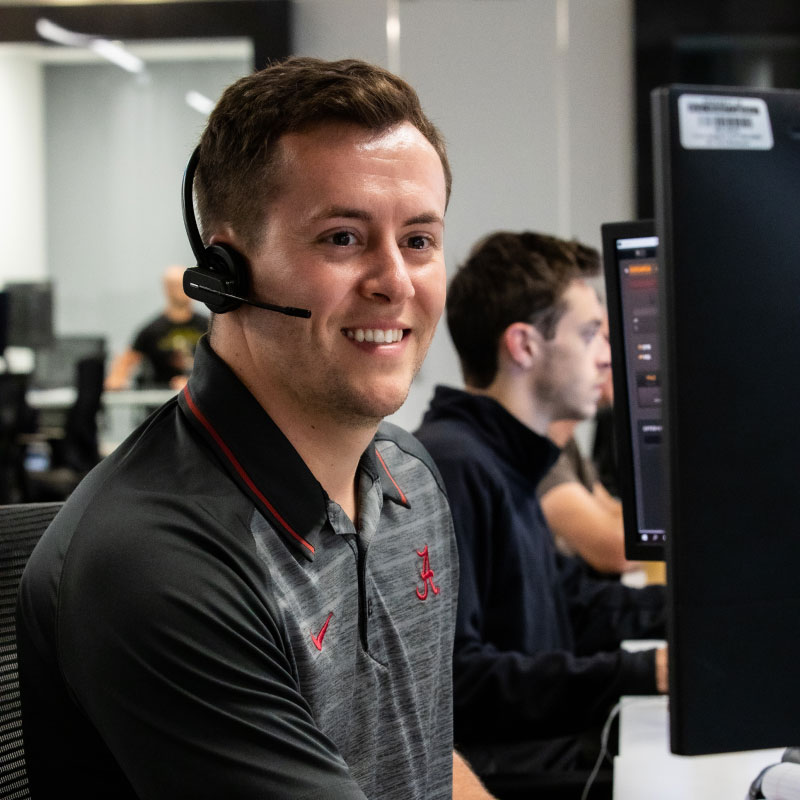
x: 3, y: 322
x: 631, y: 275
x: 30, y: 313
x: 55, y: 366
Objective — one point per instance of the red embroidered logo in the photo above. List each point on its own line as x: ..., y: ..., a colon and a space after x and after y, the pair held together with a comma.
x: 321, y: 635
x: 426, y: 573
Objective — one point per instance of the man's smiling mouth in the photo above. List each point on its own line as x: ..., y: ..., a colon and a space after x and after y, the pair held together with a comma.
x: 376, y: 335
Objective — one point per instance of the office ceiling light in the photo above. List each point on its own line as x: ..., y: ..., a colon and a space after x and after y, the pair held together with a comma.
x: 111, y: 51
x: 199, y: 102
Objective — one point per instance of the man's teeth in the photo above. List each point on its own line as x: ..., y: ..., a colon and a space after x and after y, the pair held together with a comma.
x: 375, y: 335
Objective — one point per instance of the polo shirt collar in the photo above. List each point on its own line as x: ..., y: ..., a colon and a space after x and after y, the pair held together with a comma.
x: 257, y: 455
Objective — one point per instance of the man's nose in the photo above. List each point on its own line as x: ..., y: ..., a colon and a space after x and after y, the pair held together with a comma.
x: 603, y: 353
x: 388, y: 276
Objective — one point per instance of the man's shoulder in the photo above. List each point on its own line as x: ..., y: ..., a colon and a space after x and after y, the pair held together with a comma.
x: 153, y: 327
x: 407, y: 447
x: 452, y: 439
x: 199, y: 320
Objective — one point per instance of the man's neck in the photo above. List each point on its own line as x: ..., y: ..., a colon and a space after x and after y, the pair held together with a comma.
x: 178, y: 314
x: 331, y: 451
x: 516, y: 398
x: 330, y: 446
x: 561, y: 430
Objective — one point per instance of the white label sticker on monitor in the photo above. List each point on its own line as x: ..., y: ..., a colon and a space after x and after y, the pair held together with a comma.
x: 719, y: 122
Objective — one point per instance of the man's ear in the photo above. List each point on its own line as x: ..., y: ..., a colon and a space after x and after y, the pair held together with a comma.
x: 225, y: 235
x: 521, y: 345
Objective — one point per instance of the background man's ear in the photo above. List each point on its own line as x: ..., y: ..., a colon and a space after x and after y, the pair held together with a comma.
x: 521, y: 345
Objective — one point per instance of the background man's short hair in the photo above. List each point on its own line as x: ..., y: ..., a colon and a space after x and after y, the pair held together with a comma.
x: 510, y: 277
x: 239, y: 169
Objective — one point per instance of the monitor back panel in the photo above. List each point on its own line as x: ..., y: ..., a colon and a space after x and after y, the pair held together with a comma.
x: 728, y: 219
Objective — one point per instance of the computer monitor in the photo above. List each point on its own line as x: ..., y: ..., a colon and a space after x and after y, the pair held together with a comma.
x: 55, y: 366
x: 3, y: 322
x: 30, y: 313
x: 630, y: 257
x: 727, y: 212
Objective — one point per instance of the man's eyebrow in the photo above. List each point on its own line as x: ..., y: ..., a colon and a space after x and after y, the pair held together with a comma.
x: 345, y: 212
x: 332, y: 212
x: 428, y: 218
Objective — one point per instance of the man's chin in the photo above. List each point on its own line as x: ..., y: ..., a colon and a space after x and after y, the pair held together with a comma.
x: 370, y: 409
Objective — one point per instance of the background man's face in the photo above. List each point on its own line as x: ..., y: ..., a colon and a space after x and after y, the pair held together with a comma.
x: 576, y: 360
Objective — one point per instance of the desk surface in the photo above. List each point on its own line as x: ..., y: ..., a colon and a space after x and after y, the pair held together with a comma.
x: 64, y: 397
x: 646, y: 768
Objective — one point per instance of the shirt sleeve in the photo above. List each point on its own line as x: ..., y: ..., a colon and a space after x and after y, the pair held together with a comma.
x: 571, y: 467
x: 506, y: 694
x: 171, y: 650
x: 606, y: 612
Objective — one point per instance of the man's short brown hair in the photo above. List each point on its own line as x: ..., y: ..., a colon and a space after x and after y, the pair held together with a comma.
x: 238, y: 168
x: 507, y: 278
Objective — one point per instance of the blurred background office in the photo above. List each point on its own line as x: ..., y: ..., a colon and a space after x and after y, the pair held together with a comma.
x: 544, y: 105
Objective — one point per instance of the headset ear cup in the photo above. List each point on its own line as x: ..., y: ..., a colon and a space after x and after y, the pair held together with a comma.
x: 222, y: 269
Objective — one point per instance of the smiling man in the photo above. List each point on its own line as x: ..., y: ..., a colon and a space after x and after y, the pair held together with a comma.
x: 537, y: 662
x: 254, y: 596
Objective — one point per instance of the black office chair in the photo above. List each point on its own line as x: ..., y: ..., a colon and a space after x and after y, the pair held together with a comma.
x: 21, y: 526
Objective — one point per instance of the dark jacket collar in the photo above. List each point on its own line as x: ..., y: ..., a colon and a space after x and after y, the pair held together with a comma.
x: 254, y: 451
x: 514, y: 442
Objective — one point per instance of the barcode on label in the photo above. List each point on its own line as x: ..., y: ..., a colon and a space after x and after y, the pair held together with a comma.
x: 726, y: 122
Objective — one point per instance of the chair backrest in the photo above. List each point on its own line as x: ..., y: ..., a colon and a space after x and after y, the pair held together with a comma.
x: 21, y: 526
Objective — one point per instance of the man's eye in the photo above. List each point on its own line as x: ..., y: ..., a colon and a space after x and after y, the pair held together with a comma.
x: 342, y: 239
x: 418, y: 242
x: 588, y: 335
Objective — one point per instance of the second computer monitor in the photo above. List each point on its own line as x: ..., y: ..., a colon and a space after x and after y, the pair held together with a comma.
x: 630, y: 255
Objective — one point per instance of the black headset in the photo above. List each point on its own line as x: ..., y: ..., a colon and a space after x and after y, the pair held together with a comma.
x: 220, y: 278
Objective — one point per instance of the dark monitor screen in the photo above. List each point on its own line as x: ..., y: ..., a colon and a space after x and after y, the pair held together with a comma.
x: 30, y: 313
x: 3, y: 322
x: 631, y: 273
x: 55, y: 365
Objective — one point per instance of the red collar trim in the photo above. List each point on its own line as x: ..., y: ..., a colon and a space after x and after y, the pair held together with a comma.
x: 403, y: 498
x: 240, y: 470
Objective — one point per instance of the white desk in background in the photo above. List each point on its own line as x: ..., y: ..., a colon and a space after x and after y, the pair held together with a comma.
x: 47, y: 399
x: 64, y: 397
x: 123, y: 410
x: 646, y: 770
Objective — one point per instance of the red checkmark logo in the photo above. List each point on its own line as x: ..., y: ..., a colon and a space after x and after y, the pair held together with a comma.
x: 321, y: 635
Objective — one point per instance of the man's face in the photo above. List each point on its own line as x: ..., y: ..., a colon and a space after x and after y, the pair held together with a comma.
x: 576, y: 360
x: 355, y: 234
x: 173, y: 288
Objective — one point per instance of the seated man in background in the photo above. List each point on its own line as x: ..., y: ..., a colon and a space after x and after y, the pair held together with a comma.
x: 537, y: 660
x: 163, y: 350
x: 254, y: 596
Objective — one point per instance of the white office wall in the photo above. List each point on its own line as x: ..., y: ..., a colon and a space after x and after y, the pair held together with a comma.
x: 22, y: 210
x: 116, y: 148
x: 534, y: 98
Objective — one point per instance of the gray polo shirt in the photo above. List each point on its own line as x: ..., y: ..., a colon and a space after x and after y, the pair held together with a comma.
x: 202, y: 621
